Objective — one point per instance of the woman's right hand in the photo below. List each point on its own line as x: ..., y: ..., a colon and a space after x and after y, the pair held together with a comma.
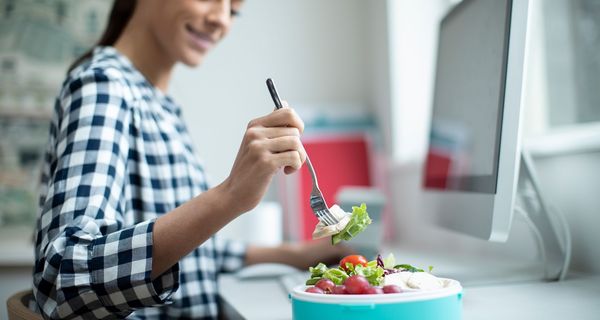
x: 270, y: 143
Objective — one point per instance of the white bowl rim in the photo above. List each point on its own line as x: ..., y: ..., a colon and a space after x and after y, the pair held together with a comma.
x: 453, y: 288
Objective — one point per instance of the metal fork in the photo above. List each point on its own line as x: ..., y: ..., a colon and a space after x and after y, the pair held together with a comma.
x: 317, y: 202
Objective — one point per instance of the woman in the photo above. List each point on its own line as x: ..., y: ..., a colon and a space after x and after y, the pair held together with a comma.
x: 127, y: 221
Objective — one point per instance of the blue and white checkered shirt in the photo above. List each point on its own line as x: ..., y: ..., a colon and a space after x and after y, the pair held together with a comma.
x: 119, y: 156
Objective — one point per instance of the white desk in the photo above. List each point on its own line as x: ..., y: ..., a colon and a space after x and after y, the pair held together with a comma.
x: 576, y: 298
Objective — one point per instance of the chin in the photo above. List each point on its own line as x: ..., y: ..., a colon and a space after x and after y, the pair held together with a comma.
x: 192, y: 61
x: 191, y: 58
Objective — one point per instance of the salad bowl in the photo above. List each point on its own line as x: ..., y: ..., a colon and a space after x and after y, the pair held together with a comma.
x: 444, y: 303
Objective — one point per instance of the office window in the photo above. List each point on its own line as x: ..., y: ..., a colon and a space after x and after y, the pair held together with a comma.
x: 572, y: 43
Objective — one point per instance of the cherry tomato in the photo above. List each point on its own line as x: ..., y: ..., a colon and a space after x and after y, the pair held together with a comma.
x: 354, y: 260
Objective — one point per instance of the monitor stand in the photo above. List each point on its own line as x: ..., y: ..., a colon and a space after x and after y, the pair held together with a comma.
x: 548, y: 225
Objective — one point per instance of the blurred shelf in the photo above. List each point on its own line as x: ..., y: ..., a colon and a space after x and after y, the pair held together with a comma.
x: 37, y: 115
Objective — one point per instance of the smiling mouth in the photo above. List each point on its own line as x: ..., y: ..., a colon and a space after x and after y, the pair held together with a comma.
x: 199, y: 39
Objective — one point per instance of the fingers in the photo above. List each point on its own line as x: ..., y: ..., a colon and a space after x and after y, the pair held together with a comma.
x: 278, y: 133
x: 284, y: 117
x: 287, y: 143
x: 290, y: 160
x: 267, y: 145
x: 273, y: 132
x: 292, y: 148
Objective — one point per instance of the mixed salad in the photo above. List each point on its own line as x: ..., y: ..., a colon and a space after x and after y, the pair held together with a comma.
x: 350, y: 224
x: 356, y: 275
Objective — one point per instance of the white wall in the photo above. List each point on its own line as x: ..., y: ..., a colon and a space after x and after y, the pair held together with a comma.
x: 413, y: 35
x: 378, y: 79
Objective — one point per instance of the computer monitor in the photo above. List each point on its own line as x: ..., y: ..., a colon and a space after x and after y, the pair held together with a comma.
x: 472, y: 166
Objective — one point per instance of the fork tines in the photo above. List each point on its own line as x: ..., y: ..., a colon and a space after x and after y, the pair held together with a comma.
x: 326, y: 216
x: 320, y: 209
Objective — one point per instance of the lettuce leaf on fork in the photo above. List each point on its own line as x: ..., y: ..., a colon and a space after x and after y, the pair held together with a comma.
x: 358, y: 222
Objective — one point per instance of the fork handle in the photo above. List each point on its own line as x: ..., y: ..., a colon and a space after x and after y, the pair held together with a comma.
x: 313, y: 175
x: 274, y: 94
x: 279, y: 105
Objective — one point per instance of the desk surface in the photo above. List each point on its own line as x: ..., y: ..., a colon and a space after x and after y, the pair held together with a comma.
x: 575, y: 298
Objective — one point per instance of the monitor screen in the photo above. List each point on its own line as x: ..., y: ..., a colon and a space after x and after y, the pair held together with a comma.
x: 469, y: 97
x: 472, y: 167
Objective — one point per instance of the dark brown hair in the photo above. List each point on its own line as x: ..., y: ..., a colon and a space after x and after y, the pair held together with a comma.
x: 121, y: 12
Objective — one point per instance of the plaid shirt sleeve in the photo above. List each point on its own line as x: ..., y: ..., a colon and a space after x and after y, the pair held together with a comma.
x: 231, y: 254
x: 87, y: 264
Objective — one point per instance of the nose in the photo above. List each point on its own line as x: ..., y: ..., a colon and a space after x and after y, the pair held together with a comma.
x: 220, y: 13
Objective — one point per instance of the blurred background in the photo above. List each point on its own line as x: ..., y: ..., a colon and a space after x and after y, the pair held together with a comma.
x: 359, y: 72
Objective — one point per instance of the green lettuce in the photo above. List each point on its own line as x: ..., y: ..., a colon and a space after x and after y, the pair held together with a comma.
x: 358, y: 222
x: 372, y: 272
x: 338, y: 276
x: 389, y: 262
x: 409, y: 268
x: 320, y: 271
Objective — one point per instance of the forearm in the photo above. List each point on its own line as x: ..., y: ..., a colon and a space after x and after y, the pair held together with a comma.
x: 270, y: 143
x: 182, y: 230
x: 301, y: 255
x: 286, y: 253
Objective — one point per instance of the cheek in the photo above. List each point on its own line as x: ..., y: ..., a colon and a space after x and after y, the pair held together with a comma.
x: 168, y: 32
x: 171, y: 38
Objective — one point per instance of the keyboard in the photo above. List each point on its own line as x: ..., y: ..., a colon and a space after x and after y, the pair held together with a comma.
x: 291, y: 280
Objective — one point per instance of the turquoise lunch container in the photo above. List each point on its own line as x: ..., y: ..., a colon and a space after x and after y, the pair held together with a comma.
x: 442, y: 304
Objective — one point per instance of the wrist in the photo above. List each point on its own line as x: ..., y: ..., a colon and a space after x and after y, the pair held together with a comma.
x: 224, y: 200
x: 236, y: 199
